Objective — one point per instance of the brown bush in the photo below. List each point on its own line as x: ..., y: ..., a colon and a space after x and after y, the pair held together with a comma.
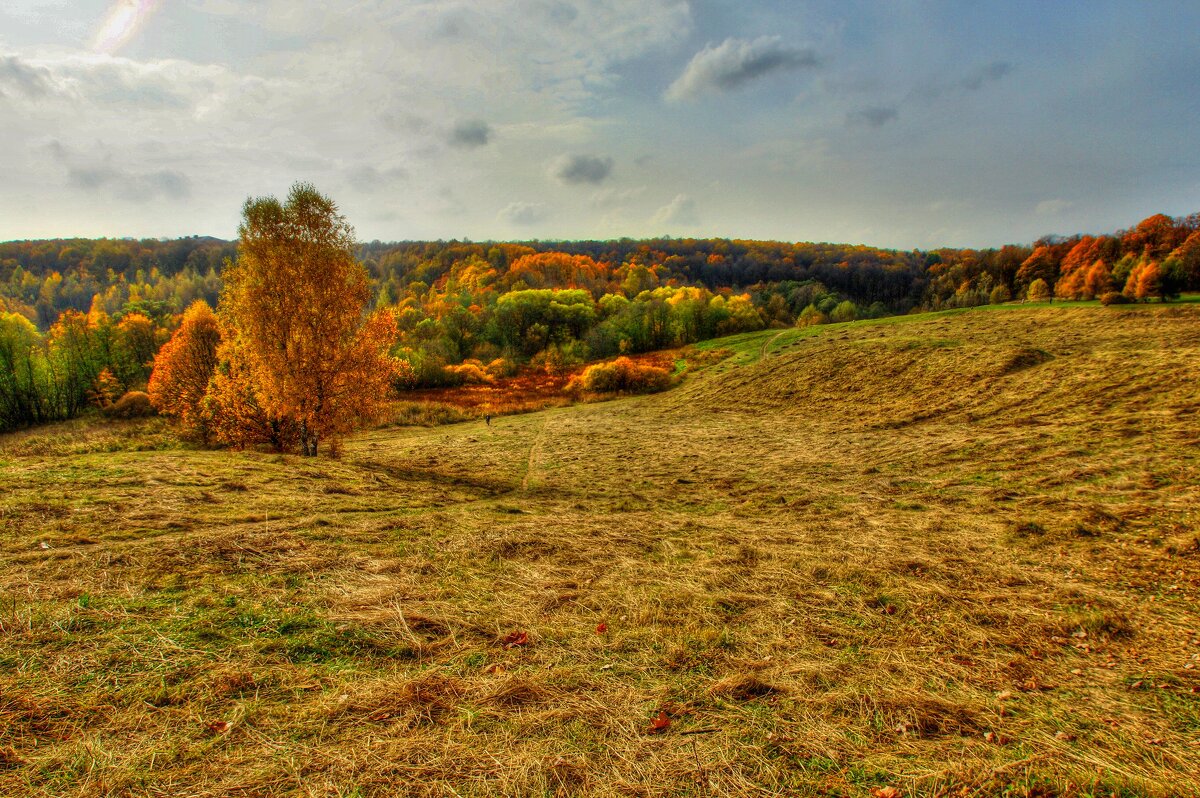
x: 1113, y: 298
x: 135, y: 404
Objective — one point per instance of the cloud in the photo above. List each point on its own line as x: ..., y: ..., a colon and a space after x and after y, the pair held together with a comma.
x: 579, y: 169
x: 875, y: 116
x: 470, y: 134
x: 1052, y: 207
x: 116, y: 85
x: 28, y: 80
x: 607, y: 198
x: 130, y: 185
x: 561, y: 13
x: 679, y: 212
x: 522, y: 213
x: 736, y: 62
x: 368, y: 178
x: 977, y: 78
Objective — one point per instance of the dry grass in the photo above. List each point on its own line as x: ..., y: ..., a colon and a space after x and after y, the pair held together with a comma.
x: 955, y: 555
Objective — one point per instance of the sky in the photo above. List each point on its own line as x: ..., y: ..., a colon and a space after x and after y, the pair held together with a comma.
x: 905, y: 124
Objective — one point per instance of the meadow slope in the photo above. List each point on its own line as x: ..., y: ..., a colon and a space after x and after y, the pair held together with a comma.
x: 953, y: 554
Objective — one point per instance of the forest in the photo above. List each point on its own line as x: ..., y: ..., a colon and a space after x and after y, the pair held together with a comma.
x: 82, y: 321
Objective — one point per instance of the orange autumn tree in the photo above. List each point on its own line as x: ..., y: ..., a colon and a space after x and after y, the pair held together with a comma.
x: 297, y: 300
x: 237, y: 416
x: 184, y: 366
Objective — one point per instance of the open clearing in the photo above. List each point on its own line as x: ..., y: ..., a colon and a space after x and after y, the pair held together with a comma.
x: 955, y: 554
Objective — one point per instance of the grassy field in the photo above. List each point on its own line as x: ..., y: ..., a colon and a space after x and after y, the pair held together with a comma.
x: 952, y: 554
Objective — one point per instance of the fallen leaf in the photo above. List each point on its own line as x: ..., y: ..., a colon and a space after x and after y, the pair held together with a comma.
x: 1004, y: 695
x: 43, y: 545
x: 218, y: 727
x: 885, y: 792
x: 514, y: 639
x: 496, y: 669
x: 660, y: 724
x: 601, y: 628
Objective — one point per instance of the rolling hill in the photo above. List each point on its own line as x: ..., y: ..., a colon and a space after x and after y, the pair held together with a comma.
x: 953, y: 554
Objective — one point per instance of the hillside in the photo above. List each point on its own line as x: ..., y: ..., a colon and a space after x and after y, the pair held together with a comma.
x: 953, y: 554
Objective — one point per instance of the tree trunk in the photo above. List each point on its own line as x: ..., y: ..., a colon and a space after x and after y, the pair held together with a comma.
x: 308, y: 440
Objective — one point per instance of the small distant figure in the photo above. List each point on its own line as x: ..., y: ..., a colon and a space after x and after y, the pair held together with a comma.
x: 488, y: 418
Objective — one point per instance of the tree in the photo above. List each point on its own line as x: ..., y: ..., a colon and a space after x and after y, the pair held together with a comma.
x: 184, y: 366
x: 233, y: 407
x: 845, y: 311
x: 136, y: 342
x: 297, y: 299
x: 1097, y: 281
x: 1038, y: 291
x: 24, y: 376
x: 1146, y: 281
x: 1041, y: 265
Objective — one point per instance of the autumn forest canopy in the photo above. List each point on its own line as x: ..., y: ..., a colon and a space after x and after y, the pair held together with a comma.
x: 83, y: 320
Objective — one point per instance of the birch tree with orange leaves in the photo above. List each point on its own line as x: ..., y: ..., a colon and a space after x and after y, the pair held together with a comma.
x: 298, y: 299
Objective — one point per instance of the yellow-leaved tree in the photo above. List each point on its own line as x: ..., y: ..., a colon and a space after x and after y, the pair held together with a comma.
x: 297, y: 300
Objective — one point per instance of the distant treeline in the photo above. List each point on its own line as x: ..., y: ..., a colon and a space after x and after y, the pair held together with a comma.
x: 473, y: 310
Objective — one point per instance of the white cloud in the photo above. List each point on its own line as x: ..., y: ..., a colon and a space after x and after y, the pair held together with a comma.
x: 22, y: 78
x: 736, y: 62
x: 1053, y: 207
x: 609, y: 198
x: 678, y: 213
x: 522, y: 214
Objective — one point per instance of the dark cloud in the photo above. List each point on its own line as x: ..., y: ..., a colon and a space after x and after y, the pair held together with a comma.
x: 561, y: 13
x: 132, y: 186
x: 91, y: 178
x: 579, y: 169
x: 876, y: 116
x: 367, y: 178
x: 470, y: 133
x: 29, y: 81
x: 988, y: 73
x: 978, y: 78
x: 58, y: 151
x: 736, y: 62
x: 523, y: 213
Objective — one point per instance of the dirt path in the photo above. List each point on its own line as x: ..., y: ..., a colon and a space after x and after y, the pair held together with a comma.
x: 767, y: 343
x: 535, y: 449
